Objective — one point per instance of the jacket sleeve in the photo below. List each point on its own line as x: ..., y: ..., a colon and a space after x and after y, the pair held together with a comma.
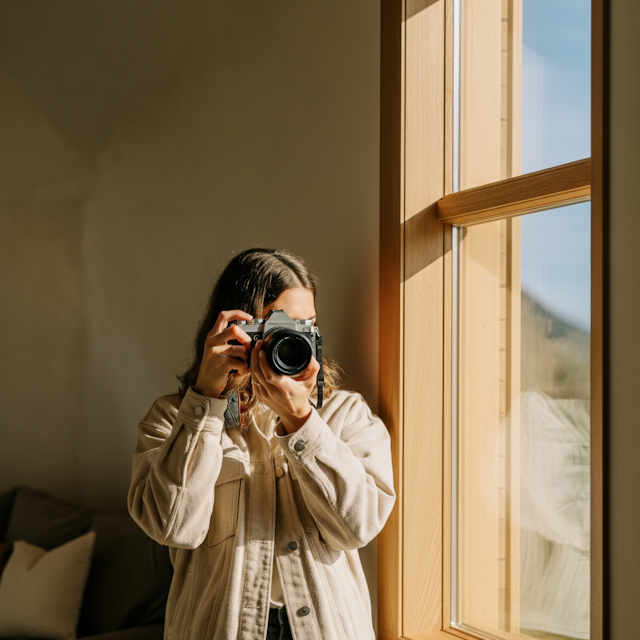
x: 346, y: 480
x: 175, y: 467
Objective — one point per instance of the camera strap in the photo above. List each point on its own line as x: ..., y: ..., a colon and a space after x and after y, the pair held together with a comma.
x: 320, y: 379
x: 232, y: 412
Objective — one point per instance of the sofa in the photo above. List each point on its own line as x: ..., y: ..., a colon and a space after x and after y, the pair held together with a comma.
x: 129, y: 576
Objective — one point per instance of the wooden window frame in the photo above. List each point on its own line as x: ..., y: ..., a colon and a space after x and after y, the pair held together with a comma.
x: 417, y: 209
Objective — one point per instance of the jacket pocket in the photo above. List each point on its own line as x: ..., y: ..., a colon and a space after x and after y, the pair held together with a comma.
x: 224, y: 519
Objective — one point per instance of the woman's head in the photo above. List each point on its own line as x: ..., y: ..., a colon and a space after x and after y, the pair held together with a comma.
x: 252, y: 281
x: 255, y: 278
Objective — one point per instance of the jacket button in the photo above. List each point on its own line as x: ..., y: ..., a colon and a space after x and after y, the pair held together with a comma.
x: 198, y: 410
x: 293, y: 545
x: 299, y: 445
x: 304, y: 611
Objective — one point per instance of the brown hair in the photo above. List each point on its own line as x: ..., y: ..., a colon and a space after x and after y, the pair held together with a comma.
x: 251, y: 281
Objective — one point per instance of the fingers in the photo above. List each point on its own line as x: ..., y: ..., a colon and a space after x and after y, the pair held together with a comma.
x: 228, y: 356
x: 256, y: 371
x: 234, y: 332
x: 264, y: 374
x: 236, y: 352
x: 310, y: 372
x: 270, y: 376
x: 226, y: 317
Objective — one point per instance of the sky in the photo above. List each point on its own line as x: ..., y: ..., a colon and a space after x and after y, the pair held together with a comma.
x: 556, y: 122
x: 556, y: 261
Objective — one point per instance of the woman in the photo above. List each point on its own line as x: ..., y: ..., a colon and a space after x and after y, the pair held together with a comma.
x: 263, y: 511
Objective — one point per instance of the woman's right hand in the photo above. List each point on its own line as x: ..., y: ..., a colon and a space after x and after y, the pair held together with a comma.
x: 220, y: 358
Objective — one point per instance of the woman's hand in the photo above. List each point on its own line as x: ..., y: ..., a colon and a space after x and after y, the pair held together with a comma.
x: 286, y: 395
x: 220, y: 358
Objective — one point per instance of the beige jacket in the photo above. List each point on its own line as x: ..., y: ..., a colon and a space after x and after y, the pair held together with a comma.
x: 334, y: 496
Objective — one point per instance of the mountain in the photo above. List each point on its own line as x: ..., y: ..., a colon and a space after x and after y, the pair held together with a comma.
x: 555, y: 353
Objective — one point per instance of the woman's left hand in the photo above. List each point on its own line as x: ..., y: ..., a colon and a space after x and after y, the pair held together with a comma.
x: 288, y: 396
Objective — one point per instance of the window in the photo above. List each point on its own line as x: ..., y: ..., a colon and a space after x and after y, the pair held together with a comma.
x: 473, y: 187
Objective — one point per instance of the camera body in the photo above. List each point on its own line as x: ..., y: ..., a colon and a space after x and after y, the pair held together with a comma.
x: 288, y: 344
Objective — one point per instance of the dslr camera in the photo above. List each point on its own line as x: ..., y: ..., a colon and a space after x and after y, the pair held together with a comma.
x: 288, y: 344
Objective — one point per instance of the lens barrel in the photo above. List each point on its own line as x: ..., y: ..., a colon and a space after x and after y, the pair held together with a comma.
x: 288, y: 352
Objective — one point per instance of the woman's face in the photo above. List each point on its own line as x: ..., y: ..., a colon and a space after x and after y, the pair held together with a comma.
x: 298, y: 302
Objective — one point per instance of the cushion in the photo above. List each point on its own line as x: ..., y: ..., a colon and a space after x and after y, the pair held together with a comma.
x: 5, y: 552
x: 130, y: 571
x: 6, y: 505
x: 45, y: 521
x: 41, y: 591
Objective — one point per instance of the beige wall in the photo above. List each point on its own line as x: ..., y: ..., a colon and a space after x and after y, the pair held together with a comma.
x: 115, y: 221
x: 41, y: 186
x: 625, y: 320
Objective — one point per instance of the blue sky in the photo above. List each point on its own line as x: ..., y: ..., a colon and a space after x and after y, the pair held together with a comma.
x: 556, y: 259
x: 556, y: 129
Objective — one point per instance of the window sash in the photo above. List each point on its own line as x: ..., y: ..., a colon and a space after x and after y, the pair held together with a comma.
x: 415, y: 314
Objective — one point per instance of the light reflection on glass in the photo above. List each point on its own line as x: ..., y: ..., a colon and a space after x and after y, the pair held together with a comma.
x: 523, y: 440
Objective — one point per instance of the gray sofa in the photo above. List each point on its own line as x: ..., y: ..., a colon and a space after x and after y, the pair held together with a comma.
x: 130, y: 574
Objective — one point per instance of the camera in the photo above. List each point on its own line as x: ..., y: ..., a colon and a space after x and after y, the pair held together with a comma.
x: 288, y: 344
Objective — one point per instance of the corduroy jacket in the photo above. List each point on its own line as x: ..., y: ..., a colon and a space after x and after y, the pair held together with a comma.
x: 225, y: 501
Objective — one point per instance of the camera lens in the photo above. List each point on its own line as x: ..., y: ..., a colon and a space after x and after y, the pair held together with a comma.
x: 291, y: 353
x: 288, y: 352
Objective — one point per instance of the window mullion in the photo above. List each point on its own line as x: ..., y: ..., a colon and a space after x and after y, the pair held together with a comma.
x: 562, y: 185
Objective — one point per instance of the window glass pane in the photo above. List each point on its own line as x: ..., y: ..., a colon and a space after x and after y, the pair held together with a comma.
x: 523, y: 464
x: 525, y: 68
